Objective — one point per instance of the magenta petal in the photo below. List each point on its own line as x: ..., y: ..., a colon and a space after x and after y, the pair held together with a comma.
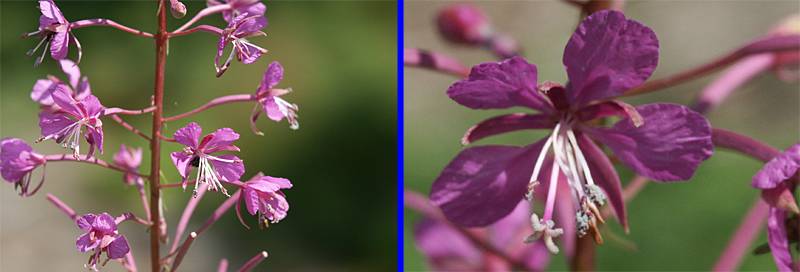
x: 92, y: 106
x: 54, y: 125
x: 536, y: 256
x: 445, y: 248
x: 71, y: 70
x: 605, y: 176
x: 506, y: 123
x: 104, y: 223
x: 84, y: 243
x: 62, y: 96
x: 50, y: 13
x: 96, y: 138
x: 59, y: 45
x: 43, y: 90
x: 188, y: 135
x: 85, y: 221
x: 248, y: 54
x: 611, y: 108
x: 271, y: 108
x: 779, y: 169
x: 497, y: 85
x: 251, y: 200
x: 272, y: 76
x: 118, y: 248
x: 483, y: 184
x: 268, y: 184
x: 608, y: 55
x: 222, y: 139
x: 670, y: 145
x: 181, y: 161
x: 228, y: 171
x: 506, y: 232
x: 778, y: 240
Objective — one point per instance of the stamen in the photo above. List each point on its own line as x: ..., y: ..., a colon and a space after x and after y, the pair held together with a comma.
x: 581, y: 158
x: 551, y: 194
x: 538, y: 166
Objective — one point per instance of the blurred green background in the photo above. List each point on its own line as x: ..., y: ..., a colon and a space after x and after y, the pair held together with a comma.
x: 681, y: 226
x: 340, y: 60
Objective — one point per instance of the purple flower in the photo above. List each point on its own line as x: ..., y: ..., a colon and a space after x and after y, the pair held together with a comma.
x: 238, y: 7
x: 211, y: 169
x: 448, y: 250
x: 606, y: 56
x: 129, y: 159
x: 17, y: 162
x: 464, y: 23
x: 78, y: 86
x: 177, y: 8
x: 262, y: 195
x: 777, y: 180
x: 65, y: 124
x: 269, y: 99
x: 237, y: 32
x: 56, y: 33
x: 101, y: 236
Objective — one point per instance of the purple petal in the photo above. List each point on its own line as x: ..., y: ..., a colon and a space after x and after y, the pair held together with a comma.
x: 92, y: 106
x: 670, y: 145
x: 59, y: 45
x: 181, y: 161
x: 279, y: 206
x: 483, y: 184
x: 608, y: 55
x: 222, y: 139
x: 272, y: 76
x: 269, y: 184
x: 104, y: 223
x: 85, y: 221
x: 83, y: 89
x: 84, y: 243
x: 779, y: 169
x: 611, y: 108
x: 506, y: 84
x: 118, y: 248
x: 95, y: 138
x: 71, y: 70
x: 605, y: 175
x: 63, y: 98
x: 537, y: 256
x: 50, y: 13
x: 43, y: 90
x: 508, y: 231
x: 228, y: 171
x: 445, y: 248
x: 506, y: 123
x: 272, y: 109
x: 188, y: 135
x: 248, y: 54
x: 53, y: 125
x: 778, y: 240
x: 251, y: 200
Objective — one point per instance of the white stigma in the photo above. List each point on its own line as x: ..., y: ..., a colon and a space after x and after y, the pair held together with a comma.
x: 207, y: 174
x: 543, y: 229
x: 289, y: 110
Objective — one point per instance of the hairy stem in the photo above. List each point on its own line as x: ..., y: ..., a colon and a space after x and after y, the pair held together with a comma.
x: 155, y: 140
x: 213, y: 103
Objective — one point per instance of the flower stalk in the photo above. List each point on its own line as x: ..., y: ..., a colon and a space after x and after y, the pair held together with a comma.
x: 161, y: 39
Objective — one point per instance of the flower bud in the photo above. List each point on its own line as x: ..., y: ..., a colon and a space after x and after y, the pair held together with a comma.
x: 465, y: 24
x: 177, y: 9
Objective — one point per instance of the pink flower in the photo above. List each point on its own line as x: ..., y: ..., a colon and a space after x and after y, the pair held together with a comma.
x: 56, y: 33
x: 464, y: 23
x: 270, y: 101
x: 236, y: 34
x: 101, y: 236
x: 129, y: 159
x: 211, y: 169
x: 65, y: 125
x: 78, y: 86
x: 17, y: 162
x: 262, y: 196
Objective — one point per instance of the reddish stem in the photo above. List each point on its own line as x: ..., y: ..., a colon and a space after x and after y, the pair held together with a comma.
x: 434, y: 61
x: 187, y: 215
x: 203, y: 13
x: 203, y: 28
x: 62, y: 206
x: 129, y: 127
x: 253, y: 262
x: 110, y: 23
x: 213, y: 103
x: 161, y: 39
x: 223, y: 265
x: 85, y: 159
x: 109, y: 111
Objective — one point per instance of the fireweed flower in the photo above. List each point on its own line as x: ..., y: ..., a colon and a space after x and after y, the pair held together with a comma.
x: 778, y: 180
x: 17, y: 162
x: 237, y: 32
x: 211, y: 169
x: 66, y: 124
x: 129, y: 159
x: 463, y: 23
x: 101, y: 236
x: 263, y: 197
x: 606, y: 56
x: 270, y: 102
x: 448, y: 250
x: 78, y: 86
x: 55, y: 32
x: 238, y: 7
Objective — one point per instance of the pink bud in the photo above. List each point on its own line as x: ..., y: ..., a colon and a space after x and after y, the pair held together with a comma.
x: 463, y: 23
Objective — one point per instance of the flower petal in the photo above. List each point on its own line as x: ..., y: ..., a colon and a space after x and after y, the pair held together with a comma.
x: 228, y: 171
x: 611, y: 108
x: 778, y: 169
x: 85, y: 221
x: 92, y: 106
x: 104, y: 223
x: 272, y: 76
x: 506, y: 123
x: 59, y: 46
x: 608, y: 55
x: 497, y: 85
x: 605, y: 176
x: 181, y: 161
x: 84, y: 243
x: 50, y: 13
x: 507, y: 231
x: 53, y: 125
x: 62, y: 96
x: 247, y: 53
x: 118, y: 248
x: 43, y: 90
x: 445, y: 248
x: 188, y: 135
x: 778, y: 240
x: 670, y: 145
x: 483, y: 184
x: 251, y: 200
x: 222, y: 140
x: 95, y: 138
x: 272, y: 109
x: 72, y: 71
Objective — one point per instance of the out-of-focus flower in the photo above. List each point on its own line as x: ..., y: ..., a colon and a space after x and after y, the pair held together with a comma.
x: 270, y: 101
x: 211, y: 169
x: 177, y: 8
x: 448, y: 250
x: 55, y: 32
x: 778, y: 179
x: 464, y: 23
x: 129, y: 159
x: 17, y: 162
x: 238, y: 7
x: 237, y: 32
x: 65, y: 124
x: 262, y: 196
x: 101, y: 236
x: 607, y: 55
x: 78, y: 86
